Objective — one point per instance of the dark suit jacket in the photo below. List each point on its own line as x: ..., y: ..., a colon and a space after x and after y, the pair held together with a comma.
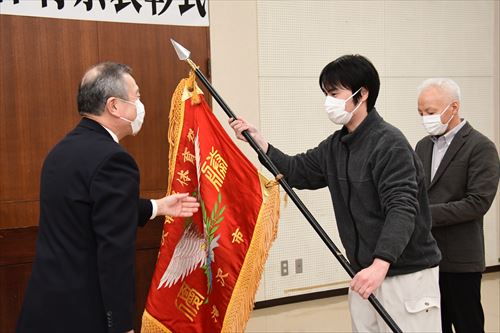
x: 83, y: 272
x: 460, y: 193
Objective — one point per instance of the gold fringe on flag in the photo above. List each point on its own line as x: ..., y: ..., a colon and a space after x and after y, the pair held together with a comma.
x: 266, y: 229
x: 175, y: 121
x: 151, y: 325
x: 176, y: 118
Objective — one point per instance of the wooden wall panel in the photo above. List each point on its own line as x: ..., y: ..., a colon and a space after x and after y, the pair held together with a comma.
x: 144, y: 266
x: 43, y: 61
x: 13, y: 282
x: 17, y: 246
x: 21, y: 212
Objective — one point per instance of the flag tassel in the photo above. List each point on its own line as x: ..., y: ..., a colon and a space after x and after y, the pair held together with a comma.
x: 266, y: 229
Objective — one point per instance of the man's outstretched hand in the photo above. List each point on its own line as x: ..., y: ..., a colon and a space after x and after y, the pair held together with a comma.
x: 177, y: 205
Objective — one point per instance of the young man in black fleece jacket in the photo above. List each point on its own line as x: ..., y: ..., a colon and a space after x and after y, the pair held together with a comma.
x: 377, y: 188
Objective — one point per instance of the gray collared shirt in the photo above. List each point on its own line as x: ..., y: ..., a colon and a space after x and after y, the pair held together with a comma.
x: 441, y: 144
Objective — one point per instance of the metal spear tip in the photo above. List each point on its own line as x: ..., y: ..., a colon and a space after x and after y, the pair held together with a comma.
x: 182, y: 52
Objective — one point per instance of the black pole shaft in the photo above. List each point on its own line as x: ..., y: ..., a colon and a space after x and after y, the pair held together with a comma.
x: 300, y: 205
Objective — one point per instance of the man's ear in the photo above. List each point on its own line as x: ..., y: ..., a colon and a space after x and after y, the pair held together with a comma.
x: 112, y: 106
x: 456, y: 106
x: 364, y: 94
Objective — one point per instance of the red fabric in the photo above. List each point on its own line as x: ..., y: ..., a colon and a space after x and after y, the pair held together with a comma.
x: 239, y: 192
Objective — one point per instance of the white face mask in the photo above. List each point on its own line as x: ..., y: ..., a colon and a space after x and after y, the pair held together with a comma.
x: 139, y: 119
x: 335, y: 108
x: 433, y: 125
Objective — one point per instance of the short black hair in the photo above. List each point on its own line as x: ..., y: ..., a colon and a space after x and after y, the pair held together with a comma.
x: 351, y: 72
x: 100, y: 82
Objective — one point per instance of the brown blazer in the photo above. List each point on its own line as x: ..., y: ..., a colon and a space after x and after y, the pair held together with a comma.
x: 460, y: 194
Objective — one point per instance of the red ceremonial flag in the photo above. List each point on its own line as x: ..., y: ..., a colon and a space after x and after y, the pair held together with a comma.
x: 209, y: 266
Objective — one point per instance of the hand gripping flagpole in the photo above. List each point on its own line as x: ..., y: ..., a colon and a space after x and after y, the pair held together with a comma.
x: 184, y: 54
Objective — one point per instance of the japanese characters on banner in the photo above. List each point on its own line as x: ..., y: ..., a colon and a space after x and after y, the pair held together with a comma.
x: 209, y: 266
x: 166, y: 12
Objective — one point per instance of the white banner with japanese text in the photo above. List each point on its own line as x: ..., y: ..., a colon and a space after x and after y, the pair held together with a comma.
x: 166, y: 12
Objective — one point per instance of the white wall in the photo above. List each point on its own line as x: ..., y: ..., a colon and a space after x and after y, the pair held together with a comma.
x: 234, y: 59
x: 266, y: 58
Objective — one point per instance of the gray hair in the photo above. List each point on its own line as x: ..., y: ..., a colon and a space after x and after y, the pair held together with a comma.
x: 99, y: 83
x: 448, y: 86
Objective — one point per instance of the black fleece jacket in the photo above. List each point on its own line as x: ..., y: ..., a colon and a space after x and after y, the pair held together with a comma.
x: 376, y: 183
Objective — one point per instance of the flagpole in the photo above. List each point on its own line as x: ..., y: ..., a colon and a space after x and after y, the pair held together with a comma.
x: 184, y: 55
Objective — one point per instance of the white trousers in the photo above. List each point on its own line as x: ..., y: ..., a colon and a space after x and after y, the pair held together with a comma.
x: 412, y: 300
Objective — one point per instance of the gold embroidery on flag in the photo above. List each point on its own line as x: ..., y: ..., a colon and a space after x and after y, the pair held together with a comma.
x: 188, y: 301
x: 163, y: 237
x: 215, y: 313
x: 190, y: 135
x: 220, y: 277
x: 183, y: 177
x: 215, y: 170
x: 237, y: 236
x: 188, y: 156
x: 176, y: 122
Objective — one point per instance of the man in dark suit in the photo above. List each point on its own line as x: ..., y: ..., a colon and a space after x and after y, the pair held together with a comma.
x: 83, y: 272
x: 462, y: 171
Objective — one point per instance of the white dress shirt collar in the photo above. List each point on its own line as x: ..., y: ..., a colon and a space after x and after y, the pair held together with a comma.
x: 113, y: 135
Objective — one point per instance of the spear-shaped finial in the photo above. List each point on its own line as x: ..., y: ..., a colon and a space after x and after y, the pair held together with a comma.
x: 182, y: 52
